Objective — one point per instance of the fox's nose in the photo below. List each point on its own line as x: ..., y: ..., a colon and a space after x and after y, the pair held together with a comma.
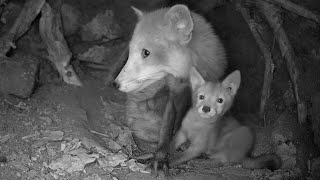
x: 116, y: 84
x: 206, y: 109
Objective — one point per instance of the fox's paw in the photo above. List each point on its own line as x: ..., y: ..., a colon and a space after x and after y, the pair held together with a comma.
x: 159, y: 164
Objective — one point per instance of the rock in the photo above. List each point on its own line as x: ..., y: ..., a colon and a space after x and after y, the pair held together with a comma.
x: 101, y: 53
x: 93, y: 177
x: 112, y: 160
x: 103, y: 26
x: 73, y: 161
x: 20, y: 166
x: 3, y: 159
x: 9, y: 14
x: 95, y: 54
x: 5, y: 138
x: 287, y: 153
x: 70, y: 19
x: 52, y: 135
x: 316, y: 118
x: 18, y: 75
x: 315, y: 168
x: 31, y: 174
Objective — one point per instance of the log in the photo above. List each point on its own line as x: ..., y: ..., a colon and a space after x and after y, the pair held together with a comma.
x: 29, y: 12
x: 297, y: 9
x: 272, y: 14
x: 18, y: 75
x: 269, y: 65
x: 50, y: 31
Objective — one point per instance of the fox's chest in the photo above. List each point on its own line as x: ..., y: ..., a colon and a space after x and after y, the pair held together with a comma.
x: 194, y: 127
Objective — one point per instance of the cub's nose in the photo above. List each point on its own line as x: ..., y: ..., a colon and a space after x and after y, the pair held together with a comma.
x: 206, y: 109
x: 116, y: 84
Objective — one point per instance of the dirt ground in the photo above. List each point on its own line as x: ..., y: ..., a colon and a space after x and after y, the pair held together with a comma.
x: 81, y: 126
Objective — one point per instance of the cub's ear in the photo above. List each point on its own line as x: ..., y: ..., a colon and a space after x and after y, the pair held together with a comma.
x: 137, y: 12
x: 180, y: 20
x: 232, y: 82
x: 196, y: 79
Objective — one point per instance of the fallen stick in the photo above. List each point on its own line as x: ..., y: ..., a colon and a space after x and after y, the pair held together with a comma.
x: 30, y: 11
x: 271, y: 13
x: 269, y: 65
x: 50, y: 31
x: 299, y: 10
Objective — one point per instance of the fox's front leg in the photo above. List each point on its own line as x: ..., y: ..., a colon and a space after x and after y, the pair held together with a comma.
x: 177, y: 141
x: 167, y: 125
x: 192, y: 152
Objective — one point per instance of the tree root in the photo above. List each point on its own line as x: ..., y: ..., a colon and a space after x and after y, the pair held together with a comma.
x: 50, y: 31
x: 269, y: 65
x: 299, y: 10
x: 271, y: 13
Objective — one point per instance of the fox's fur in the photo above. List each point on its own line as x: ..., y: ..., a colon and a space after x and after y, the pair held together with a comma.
x: 221, y: 137
x: 176, y: 39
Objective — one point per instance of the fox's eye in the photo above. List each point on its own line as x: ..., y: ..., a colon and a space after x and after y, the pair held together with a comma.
x: 201, y: 97
x: 220, y: 100
x: 145, y: 53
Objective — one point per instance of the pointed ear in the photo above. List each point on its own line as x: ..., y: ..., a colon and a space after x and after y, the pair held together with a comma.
x: 232, y: 82
x: 137, y: 12
x: 180, y: 21
x: 196, y: 79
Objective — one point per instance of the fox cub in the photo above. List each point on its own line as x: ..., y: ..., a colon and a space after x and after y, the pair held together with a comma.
x: 221, y: 137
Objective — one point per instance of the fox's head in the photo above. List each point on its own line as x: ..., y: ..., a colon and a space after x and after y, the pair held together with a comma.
x: 213, y: 98
x: 158, y: 47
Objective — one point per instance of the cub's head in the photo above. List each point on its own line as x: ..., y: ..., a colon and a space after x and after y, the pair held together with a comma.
x: 158, y: 47
x: 213, y: 98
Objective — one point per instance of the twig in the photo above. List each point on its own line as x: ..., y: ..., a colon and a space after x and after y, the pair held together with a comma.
x: 269, y: 65
x: 271, y: 12
x: 50, y: 31
x: 297, y: 9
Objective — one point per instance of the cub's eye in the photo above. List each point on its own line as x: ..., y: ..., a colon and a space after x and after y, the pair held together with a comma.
x: 220, y: 100
x: 201, y: 97
x: 145, y: 53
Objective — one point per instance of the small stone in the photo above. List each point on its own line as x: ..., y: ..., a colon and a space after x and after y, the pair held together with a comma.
x: 31, y: 174
x: 3, y: 159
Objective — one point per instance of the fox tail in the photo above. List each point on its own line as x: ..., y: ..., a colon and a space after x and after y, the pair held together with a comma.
x: 269, y: 161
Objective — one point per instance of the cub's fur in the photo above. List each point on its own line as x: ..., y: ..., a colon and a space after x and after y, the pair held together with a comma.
x: 167, y: 41
x: 210, y: 132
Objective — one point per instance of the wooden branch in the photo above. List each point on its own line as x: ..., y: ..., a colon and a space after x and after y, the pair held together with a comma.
x: 29, y: 12
x: 271, y: 13
x: 269, y: 65
x: 59, y: 53
x: 297, y: 9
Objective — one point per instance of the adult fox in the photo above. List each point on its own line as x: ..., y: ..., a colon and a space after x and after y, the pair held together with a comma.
x: 166, y: 43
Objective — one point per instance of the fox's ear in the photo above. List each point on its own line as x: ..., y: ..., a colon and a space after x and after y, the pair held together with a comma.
x: 180, y: 20
x: 232, y: 82
x: 138, y: 12
x: 196, y: 79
